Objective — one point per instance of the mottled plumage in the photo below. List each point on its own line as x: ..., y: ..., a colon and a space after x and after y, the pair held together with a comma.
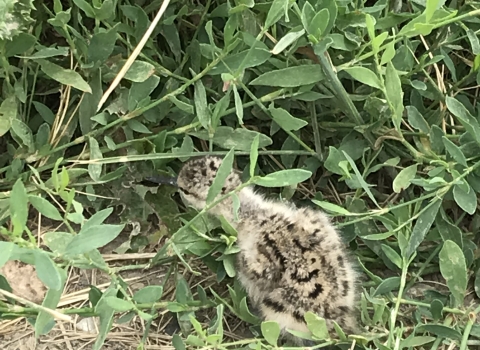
x: 291, y: 260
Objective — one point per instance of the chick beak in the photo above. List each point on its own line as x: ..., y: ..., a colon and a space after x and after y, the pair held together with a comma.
x: 152, y: 181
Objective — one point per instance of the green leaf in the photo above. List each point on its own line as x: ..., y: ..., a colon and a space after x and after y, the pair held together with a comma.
x: 270, y: 331
x: 291, y: 76
x: 370, y: 23
x: 48, y: 52
x: 238, y: 105
x: 465, y: 200
x: 101, y: 45
x: 360, y: 178
x: 178, y: 343
x: 388, y: 54
x: 474, y: 42
x: 219, y: 182
x: 93, y: 237
x: 6, y: 248
x: 64, y: 76
x: 284, y: 178
x: 431, y: 7
x: 387, y: 285
x: 201, y: 108
x: 139, y: 71
x: 45, y: 208
x: 364, y: 76
x: 403, y: 180
x: 319, y: 24
x: 392, y: 255
x: 454, y: 151
x: 436, y: 309
x: 98, y: 218
x: 240, y: 139
x: 20, y: 44
x: 182, y: 105
x: 47, y: 271
x: 394, y: 93
x: 417, y: 120
x: 454, y: 270
x: 149, y: 294
x: 449, y: 231
x: 256, y: 57
x: 95, y: 169
x: 94, y: 295
x: 423, y: 224
x: 332, y: 207
x: 85, y: 7
x: 316, y: 325
x: 466, y: 119
x: 24, y: 133
x: 308, y: 12
x: 19, y: 206
x: 378, y: 41
x: 106, y: 314
x: 45, y: 322
x: 286, y: 121
x: 441, y: 331
x: 412, y: 341
x: 287, y: 40
x: 278, y: 8
x: 8, y: 112
x: 119, y: 304
x: 254, y: 155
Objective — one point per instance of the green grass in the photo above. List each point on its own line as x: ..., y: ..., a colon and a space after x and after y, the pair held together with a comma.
x: 376, y: 103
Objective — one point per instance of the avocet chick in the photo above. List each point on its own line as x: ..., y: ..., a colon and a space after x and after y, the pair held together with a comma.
x: 291, y: 260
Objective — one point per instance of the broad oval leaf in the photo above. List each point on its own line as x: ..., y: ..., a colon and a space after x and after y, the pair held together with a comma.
x: 454, y: 270
x: 47, y: 271
x: 45, y: 208
x: 403, y: 180
x: 8, y: 112
x: 149, y: 294
x: 365, y: 76
x: 64, y: 76
x: 270, y: 331
x: 95, y: 169
x: 465, y: 200
x: 317, y: 325
x: 454, y: 151
x: 93, y: 237
x: 286, y: 121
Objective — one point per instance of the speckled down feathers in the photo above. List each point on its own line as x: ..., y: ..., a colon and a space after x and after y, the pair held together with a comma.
x: 291, y: 260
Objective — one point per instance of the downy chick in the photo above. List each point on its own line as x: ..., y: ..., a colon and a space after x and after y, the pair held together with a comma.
x: 291, y: 260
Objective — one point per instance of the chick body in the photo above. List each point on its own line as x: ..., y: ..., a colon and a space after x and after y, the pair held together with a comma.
x: 291, y: 260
